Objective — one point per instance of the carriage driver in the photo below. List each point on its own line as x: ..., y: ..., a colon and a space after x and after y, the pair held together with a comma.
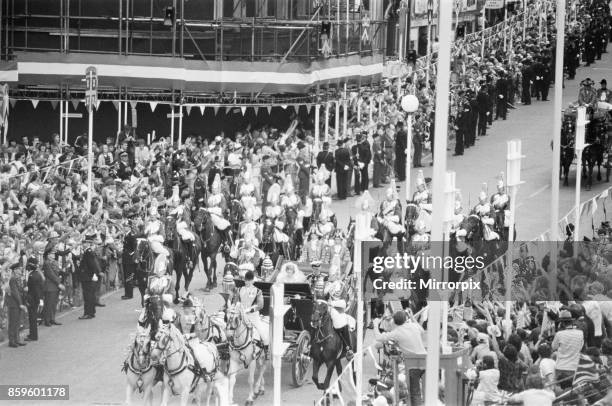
x: 217, y: 207
x: 251, y: 299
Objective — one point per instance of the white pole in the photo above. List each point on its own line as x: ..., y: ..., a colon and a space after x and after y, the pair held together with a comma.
x: 327, y: 122
x: 338, y: 25
x: 427, y: 55
x: 371, y: 113
x: 524, y: 19
x: 347, y: 24
x: 317, y: 126
x: 556, y: 163
x: 61, y: 126
x: 577, y: 196
x: 125, y: 113
x: 359, y: 101
x: 439, y: 172
x: 360, y: 220
x: 172, y: 125
x: 337, y: 123
x: 408, y: 156
x: 119, y: 114
x: 180, y: 134
x: 345, y: 118
x: 90, y: 158
x: 67, y: 133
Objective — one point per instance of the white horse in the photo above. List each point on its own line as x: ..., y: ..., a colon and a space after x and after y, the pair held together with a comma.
x: 139, y: 369
x: 188, y: 367
x: 246, y: 352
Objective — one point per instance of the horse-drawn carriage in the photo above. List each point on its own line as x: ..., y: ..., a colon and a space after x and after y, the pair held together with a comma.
x: 297, y: 321
x: 596, y: 151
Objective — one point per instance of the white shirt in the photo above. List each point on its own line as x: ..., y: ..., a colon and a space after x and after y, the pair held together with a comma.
x: 535, y: 397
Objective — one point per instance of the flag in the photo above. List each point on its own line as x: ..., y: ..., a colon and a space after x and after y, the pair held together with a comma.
x: 153, y: 105
x: 116, y: 104
x: 269, y: 109
x: 587, y: 370
x: 203, y: 109
x: 243, y: 109
x: 34, y: 103
x: 75, y: 103
x: 54, y: 104
x: 188, y: 109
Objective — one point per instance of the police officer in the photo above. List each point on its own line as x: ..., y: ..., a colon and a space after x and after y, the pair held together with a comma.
x: 14, y: 302
x: 483, y: 109
x: 527, y: 80
x: 502, y: 95
x: 129, y: 264
x: 89, y: 271
x: 35, y: 296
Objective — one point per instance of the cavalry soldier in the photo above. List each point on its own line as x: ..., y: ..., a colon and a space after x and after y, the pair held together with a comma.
x: 274, y: 213
x: 317, y: 280
x: 422, y: 197
x: 325, y: 227
x: 154, y: 226
x: 249, y: 226
x: 184, y: 233
x: 320, y: 195
x: 587, y: 96
x: 217, y: 207
x: 338, y: 252
x: 250, y: 253
x: 247, y: 195
x: 314, y: 250
x: 501, y: 207
x: 484, y: 210
x: 199, y: 189
x: 390, y: 214
x: 251, y: 299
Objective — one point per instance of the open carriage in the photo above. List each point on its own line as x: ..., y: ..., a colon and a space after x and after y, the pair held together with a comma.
x: 597, y: 150
x: 297, y: 328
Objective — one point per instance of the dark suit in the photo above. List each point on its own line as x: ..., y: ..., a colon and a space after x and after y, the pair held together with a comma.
x: 51, y: 289
x: 365, y: 156
x: 343, y: 166
x: 199, y: 192
x: 326, y: 158
x: 129, y: 266
x: 502, y: 96
x: 14, y: 302
x: 89, y: 267
x: 400, y: 154
x: 483, y: 101
x: 35, y: 295
x: 212, y: 174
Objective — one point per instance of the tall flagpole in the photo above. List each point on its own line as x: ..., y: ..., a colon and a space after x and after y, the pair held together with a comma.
x: 558, y: 104
x: 439, y: 175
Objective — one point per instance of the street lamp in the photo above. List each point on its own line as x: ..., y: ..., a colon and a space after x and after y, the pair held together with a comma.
x: 430, y: 10
x: 91, y: 99
x: 410, y: 104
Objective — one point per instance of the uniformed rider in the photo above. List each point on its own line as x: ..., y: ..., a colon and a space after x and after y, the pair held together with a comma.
x: 251, y: 299
x: 500, y: 201
x: 217, y: 207
x: 484, y: 210
x: 390, y: 213
x: 291, y: 201
x: 275, y: 214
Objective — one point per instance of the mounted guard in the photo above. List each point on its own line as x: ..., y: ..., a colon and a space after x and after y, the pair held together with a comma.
x: 485, y: 212
x: 294, y: 216
x: 320, y: 195
x: 501, y: 208
x: 249, y: 226
x: 389, y: 217
x: 275, y: 214
x: 314, y: 250
x: 217, y: 207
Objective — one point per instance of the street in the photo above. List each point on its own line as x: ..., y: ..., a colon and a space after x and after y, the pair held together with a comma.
x: 88, y: 355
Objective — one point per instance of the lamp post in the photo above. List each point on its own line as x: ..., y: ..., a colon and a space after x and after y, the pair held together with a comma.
x: 513, y: 169
x: 450, y: 193
x: 410, y: 104
x: 91, y: 98
x: 579, y: 146
x: 430, y: 10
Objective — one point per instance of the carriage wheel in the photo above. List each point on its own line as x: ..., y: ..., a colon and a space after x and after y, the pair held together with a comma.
x: 301, y: 358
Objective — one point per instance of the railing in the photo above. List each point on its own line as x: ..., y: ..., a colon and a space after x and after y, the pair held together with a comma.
x: 221, y: 40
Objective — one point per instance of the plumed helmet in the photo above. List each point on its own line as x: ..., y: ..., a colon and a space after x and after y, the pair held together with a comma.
x: 365, y: 202
x: 420, y: 179
x: 322, y: 174
x: 274, y: 194
x: 500, y: 181
x: 482, y: 197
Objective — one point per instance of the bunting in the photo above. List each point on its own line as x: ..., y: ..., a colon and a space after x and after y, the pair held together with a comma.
x: 75, y: 103
x: 12, y: 102
x: 54, y: 104
x: 256, y: 108
x: 269, y: 109
x: 216, y: 110
x: 133, y: 104
x: 34, y: 103
x: 116, y: 104
x: 203, y: 109
x: 188, y: 109
x: 153, y: 105
x: 243, y: 109
x: 98, y: 101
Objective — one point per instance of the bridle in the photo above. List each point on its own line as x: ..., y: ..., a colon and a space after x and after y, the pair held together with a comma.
x: 317, y: 323
x: 241, y: 329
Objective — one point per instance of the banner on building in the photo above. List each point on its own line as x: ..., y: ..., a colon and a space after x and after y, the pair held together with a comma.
x: 494, y: 4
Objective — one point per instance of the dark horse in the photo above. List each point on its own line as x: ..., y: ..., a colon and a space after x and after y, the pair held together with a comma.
x: 185, y: 260
x: 412, y: 214
x: 568, y: 129
x: 236, y: 215
x: 593, y: 154
x: 268, y: 245
x: 211, y: 240
x: 327, y: 345
x: 143, y: 259
x: 295, y: 235
x: 154, y: 309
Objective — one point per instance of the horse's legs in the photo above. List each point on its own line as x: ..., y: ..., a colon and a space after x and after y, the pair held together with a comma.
x: 316, y: 364
x: 185, y: 395
x: 128, y: 394
x: 165, y: 393
x: 148, y: 395
x: 328, y: 375
x: 252, y: 368
x: 213, y: 270
x: 259, y: 383
x: 230, y: 388
x: 598, y: 171
x: 206, y: 271
x: 179, y: 271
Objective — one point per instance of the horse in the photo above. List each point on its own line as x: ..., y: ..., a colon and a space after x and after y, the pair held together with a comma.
x: 567, y: 148
x: 205, y: 326
x: 326, y: 345
x: 236, y: 215
x: 246, y: 351
x: 268, y: 245
x: 414, y: 214
x: 186, y: 261
x: 143, y: 259
x: 139, y: 369
x: 350, y: 236
x: 211, y: 243
x: 295, y: 234
x: 186, y: 365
